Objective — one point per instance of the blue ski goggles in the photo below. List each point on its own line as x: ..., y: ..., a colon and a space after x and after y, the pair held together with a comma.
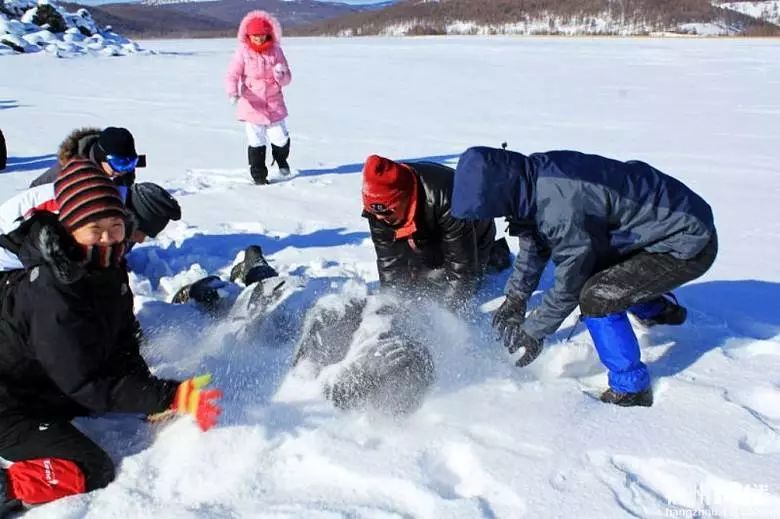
x: 121, y: 164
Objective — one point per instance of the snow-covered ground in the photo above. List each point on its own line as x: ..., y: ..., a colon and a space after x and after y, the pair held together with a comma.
x: 490, y: 440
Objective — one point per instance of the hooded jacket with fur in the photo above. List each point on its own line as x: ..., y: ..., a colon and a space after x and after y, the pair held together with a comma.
x: 257, y: 78
x: 69, y: 342
x: 79, y: 143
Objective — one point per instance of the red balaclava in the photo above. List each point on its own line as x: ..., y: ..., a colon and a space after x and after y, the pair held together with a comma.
x: 386, y: 184
x: 260, y: 26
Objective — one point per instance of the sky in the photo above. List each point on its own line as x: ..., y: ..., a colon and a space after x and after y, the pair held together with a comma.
x: 351, y: 2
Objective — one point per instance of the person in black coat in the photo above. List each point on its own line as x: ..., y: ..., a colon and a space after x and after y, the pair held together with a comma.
x: 112, y: 149
x: 3, y: 152
x: 70, y: 345
x: 419, y: 244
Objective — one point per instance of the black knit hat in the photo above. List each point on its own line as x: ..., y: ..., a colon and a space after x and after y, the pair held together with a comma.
x: 85, y: 194
x: 117, y: 141
x: 153, y: 207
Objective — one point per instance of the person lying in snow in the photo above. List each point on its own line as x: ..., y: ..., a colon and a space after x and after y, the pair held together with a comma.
x: 70, y: 346
x: 622, y: 235
x: 359, y: 345
x: 112, y: 149
x: 361, y: 349
x: 150, y: 209
x: 209, y: 292
x: 420, y: 246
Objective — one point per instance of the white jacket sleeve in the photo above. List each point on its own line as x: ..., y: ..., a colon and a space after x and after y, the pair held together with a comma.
x: 21, y: 206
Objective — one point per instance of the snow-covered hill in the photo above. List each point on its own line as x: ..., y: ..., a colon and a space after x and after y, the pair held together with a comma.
x: 768, y: 10
x: 491, y: 440
x: 550, y: 17
x: 29, y: 26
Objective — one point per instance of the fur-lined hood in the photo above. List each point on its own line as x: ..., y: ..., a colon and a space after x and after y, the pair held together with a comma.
x: 262, y: 15
x: 78, y: 143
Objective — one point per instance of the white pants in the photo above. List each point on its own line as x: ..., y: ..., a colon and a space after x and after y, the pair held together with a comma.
x: 259, y: 135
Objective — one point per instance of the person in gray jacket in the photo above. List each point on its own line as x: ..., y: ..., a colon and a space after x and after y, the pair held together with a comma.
x: 621, y: 235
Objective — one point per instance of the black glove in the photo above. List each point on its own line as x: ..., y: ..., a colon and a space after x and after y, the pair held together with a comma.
x: 509, y: 317
x: 519, y: 339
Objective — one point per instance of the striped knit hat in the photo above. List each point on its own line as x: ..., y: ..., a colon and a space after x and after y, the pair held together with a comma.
x: 85, y: 194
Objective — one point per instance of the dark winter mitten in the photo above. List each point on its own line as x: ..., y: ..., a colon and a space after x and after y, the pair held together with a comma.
x: 509, y: 317
x: 519, y: 339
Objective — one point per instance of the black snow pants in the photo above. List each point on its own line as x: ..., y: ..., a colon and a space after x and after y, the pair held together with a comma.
x: 24, y: 438
x: 641, y: 278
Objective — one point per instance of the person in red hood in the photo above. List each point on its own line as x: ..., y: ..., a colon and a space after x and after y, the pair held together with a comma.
x: 254, y: 82
x: 420, y: 246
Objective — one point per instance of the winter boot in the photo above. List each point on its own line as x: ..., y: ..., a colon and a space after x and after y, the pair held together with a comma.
x: 257, y: 167
x: 280, y: 155
x: 205, y: 292
x: 643, y: 398
x: 253, y: 267
x: 662, y: 310
x: 500, y: 258
x: 618, y: 350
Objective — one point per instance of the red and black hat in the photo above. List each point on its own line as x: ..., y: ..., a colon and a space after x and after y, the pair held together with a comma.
x: 85, y: 194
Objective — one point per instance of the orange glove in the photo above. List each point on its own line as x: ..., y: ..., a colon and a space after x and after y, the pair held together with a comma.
x: 192, y: 399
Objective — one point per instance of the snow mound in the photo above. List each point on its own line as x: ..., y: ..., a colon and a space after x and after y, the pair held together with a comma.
x: 30, y: 27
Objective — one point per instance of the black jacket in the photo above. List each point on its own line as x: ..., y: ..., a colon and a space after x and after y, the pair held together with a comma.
x: 3, y: 152
x: 460, y: 247
x: 69, y: 342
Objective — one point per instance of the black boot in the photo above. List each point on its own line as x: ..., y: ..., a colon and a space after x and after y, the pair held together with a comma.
x: 257, y: 164
x: 280, y: 157
x: 643, y: 398
x: 664, y: 310
x: 205, y: 292
x: 500, y: 258
x: 253, y: 267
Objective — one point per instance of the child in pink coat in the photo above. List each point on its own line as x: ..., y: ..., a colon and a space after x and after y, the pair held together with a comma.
x: 254, y: 82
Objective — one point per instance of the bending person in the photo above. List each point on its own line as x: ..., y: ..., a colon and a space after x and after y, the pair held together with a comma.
x: 621, y: 235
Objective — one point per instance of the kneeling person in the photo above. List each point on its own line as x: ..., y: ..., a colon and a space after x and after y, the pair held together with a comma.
x: 419, y: 243
x: 71, y: 345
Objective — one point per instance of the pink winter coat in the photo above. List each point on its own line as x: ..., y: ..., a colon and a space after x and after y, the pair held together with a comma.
x: 257, y: 78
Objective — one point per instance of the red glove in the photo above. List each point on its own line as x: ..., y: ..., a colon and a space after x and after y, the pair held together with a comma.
x: 201, y: 403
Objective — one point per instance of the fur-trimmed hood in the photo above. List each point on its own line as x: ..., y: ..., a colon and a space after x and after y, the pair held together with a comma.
x: 79, y: 143
x: 261, y: 15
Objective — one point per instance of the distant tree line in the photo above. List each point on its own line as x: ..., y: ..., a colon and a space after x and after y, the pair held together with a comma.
x: 433, y: 17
